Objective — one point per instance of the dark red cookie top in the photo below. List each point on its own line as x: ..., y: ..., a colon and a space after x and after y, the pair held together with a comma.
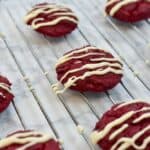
x: 125, y: 126
x: 52, y: 19
x: 29, y: 140
x: 6, y: 95
x: 88, y: 69
x: 128, y: 10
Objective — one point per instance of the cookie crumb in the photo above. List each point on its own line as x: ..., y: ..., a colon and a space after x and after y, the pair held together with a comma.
x: 80, y: 129
x: 147, y: 62
x: 46, y: 73
x: 2, y: 35
x: 105, y: 14
x: 31, y: 88
x: 136, y: 73
x: 25, y: 78
x: 61, y: 141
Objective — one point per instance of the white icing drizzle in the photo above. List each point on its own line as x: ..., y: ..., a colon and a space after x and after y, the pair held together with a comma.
x: 27, y: 139
x: 56, y: 87
x: 5, y: 87
x: 106, y: 59
x: 112, y: 65
x: 77, y: 57
x: 1, y: 94
x: 71, y: 81
x: 38, y: 11
x: 111, y: 2
x: 125, y: 142
x: 92, y: 66
x: 52, y: 5
x: 118, y: 131
x: 80, y: 129
x: 37, y: 25
x: 67, y: 56
x: 97, y: 136
x: 142, y: 117
x: 62, y: 13
x: 128, y: 103
x: 119, y: 5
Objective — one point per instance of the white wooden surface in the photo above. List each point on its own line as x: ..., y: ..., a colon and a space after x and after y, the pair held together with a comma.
x: 27, y: 54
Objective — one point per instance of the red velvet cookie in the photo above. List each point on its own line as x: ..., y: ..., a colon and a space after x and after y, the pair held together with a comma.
x: 29, y: 140
x: 125, y: 126
x: 52, y: 19
x: 6, y: 95
x: 88, y: 69
x: 128, y: 10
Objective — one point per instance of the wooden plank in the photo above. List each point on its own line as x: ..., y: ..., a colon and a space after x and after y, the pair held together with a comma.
x: 23, y: 97
x: 143, y: 27
x: 69, y: 133
x: 9, y: 121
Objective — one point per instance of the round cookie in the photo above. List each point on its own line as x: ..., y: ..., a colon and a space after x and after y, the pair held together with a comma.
x: 6, y: 95
x: 88, y: 69
x: 29, y: 140
x: 128, y: 10
x: 52, y: 19
x: 126, y: 126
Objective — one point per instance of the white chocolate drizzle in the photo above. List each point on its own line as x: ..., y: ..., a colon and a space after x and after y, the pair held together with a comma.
x: 2, y: 95
x: 118, y: 131
x: 67, y: 56
x: 119, y: 5
x: 111, y: 2
x: 78, y: 57
x: 80, y: 129
x: 26, y: 139
x: 91, y: 66
x: 128, y: 103
x: 97, y: 136
x: 71, y: 81
x: 125, y: 142
x: 37, y: 25
x: 106, y: 59
x: 98, y: 66
x: 142, y: 117
x: 62, y: 13
x: 5, y: 87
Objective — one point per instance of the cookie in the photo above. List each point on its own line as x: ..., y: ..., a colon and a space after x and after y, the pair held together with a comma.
x: 29, y: 140
x: 88, y: 69
x: 6, y: 95
x: 126, y: 126
x: 128, y: 10
x: 52, y: 19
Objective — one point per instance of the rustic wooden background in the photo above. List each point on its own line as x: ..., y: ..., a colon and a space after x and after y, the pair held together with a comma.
x: 27, y: 59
